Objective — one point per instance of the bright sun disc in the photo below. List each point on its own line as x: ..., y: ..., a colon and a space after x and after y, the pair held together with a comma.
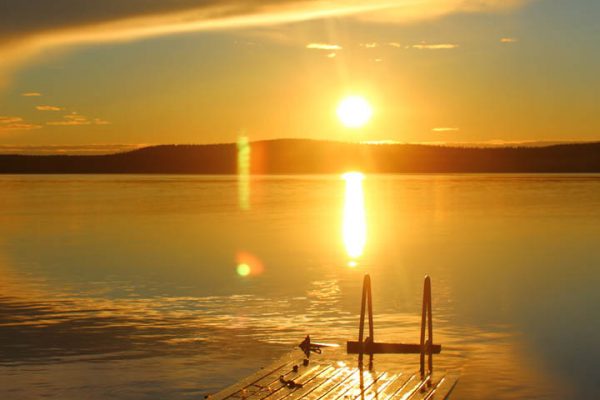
x: 354, y: 111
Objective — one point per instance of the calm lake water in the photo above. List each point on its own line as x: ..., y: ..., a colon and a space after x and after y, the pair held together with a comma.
x: 172, y: 287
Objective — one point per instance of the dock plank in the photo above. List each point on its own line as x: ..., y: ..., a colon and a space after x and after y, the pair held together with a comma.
x: 265, y: 373
x: 325, y: 388
x: 321, y: 384
x: 278, y: 385
x: 373, y: 391
x: 306, y: 380
x: 268, y: 384
x: 421, y: 389
x: 444, y: 388
x: 365, y: 380
x: 400, y: 381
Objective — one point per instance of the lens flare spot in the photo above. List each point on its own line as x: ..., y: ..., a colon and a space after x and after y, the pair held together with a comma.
x: 248, y: 264
x: 243, y: 269
x: 243, y: 166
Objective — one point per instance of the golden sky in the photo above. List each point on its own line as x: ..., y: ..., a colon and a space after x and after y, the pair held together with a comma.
x: 202, y: 71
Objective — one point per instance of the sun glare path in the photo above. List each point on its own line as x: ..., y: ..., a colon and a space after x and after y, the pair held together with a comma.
x: 354, y: 228
x: 243, y: 169
x: 354, y: 111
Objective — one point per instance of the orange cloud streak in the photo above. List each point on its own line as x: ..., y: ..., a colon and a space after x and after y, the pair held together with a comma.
x: 123, y: 23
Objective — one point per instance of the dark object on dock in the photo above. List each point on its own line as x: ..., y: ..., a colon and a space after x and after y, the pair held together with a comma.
x: 370, y: 347
x: 327, y: 376
x: 307, y: 346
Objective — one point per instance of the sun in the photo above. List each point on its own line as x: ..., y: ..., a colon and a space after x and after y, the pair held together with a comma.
x: 354, y: 111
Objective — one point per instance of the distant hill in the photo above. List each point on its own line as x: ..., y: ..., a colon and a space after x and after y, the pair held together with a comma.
x: 300, y: 156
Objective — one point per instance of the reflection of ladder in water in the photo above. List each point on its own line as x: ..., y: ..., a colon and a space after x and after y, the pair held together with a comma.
x: 370, y: 347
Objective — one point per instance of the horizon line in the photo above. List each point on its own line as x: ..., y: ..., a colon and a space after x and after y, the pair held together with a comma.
x: 106, y: 149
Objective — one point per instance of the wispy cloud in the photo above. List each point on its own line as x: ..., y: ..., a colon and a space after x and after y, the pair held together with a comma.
x: 25, y: 31
x: 71, y: 120
x: 16, y: 124
x: 48, y: 108
x: 508, y: 40
x: 370, y: 45
x: 434, y: 46
x: 31, y: 94
x: 445, y: 129
x: 323, y: 46
x: 75, y: 119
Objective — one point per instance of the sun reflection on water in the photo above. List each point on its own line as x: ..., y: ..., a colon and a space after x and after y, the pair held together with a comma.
x: 354, y: 227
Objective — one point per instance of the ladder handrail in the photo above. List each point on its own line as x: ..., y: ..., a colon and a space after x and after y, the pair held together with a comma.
x: 367, y: 300
x: 369, y: 346
x: 426, y: 316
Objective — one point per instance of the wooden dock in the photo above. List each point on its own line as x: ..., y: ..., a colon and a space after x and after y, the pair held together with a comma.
x: 292, y: 378
x: 332, y: 376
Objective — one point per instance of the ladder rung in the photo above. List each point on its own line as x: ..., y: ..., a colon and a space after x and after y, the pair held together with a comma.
x: 353, y: 347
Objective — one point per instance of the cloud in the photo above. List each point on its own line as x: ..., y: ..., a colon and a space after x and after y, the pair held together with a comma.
x: 371, y: 45
x: 508, y: 40
x: 28, y: 27
x: 48, y: 108
x: 16, y: 124
x: 445, y: 129
x: 75, y: 119
x: 438, y: 46
x: 31, y: 94
x: 323, y: 46
x: 71, y: 120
